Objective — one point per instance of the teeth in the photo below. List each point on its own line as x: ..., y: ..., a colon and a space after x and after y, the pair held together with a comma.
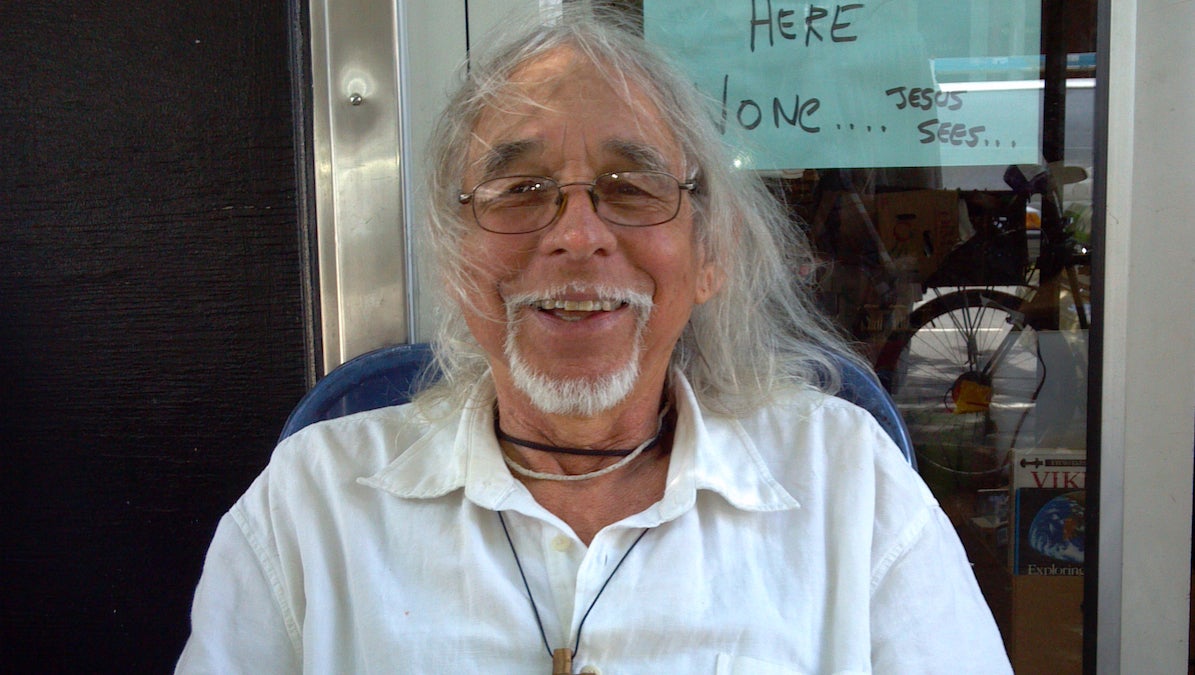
x: 579, y: 305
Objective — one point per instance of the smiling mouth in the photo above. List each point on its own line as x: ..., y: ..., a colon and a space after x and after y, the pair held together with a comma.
x: 576, y: 310
x: 558, y: 304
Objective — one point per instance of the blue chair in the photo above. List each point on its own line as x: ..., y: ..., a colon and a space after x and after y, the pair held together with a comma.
x: 383, y: 377
x: 390, y: 375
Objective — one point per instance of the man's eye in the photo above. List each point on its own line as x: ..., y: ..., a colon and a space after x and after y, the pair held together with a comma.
x: 526, y: 187
x: 627, y: 189
x: 516, y: 193
x: 520, y: 189
x: 630, y: 189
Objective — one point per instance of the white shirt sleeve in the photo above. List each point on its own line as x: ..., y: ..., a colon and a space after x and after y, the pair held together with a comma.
x: 928, y: 614
x: 237, y: 623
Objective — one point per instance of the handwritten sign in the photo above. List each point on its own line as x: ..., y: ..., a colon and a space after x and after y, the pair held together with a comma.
x: 873, y: 83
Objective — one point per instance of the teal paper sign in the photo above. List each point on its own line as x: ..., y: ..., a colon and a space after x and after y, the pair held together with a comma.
x: 862, y: 84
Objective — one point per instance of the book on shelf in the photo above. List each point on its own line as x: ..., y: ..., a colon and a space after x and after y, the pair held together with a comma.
x: 1049, y: 501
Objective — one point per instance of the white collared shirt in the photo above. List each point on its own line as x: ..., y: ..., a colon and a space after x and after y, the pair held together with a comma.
x: 795, y: 540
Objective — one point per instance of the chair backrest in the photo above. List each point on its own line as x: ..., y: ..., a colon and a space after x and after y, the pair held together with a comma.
x: 389, y: 376
x: 383, y: 377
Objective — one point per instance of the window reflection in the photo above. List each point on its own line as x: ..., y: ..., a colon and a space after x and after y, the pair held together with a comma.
x: 964, y: 278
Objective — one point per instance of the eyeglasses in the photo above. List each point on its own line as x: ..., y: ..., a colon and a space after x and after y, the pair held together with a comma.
x: 521, y: 204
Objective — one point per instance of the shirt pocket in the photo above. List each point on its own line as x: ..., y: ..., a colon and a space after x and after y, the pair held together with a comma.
x: 745, y: 665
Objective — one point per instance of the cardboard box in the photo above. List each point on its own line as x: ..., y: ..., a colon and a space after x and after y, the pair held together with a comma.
x: 1047, y: 625
x: 918, y: 227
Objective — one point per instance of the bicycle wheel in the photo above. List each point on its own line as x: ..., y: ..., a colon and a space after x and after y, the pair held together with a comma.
x: 965, y: 376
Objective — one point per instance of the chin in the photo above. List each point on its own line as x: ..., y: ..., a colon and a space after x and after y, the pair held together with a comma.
x: 577, y: 396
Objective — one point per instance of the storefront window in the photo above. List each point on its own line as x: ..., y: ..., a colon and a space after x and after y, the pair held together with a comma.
x: 938, y: 155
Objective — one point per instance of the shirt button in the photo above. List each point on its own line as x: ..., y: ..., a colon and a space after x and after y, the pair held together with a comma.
x: 592, y: 670
x: 561, y: 543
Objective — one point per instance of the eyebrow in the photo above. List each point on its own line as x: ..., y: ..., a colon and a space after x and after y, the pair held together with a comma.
x: 497, y: 160
x: 499, y: 157
x: 640, y: 155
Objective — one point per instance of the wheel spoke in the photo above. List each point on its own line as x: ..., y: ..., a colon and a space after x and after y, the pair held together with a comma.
x: 952, y: 341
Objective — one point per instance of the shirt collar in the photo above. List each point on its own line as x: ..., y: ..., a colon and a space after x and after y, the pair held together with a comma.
x: 709, y: 452
x: 714, y: 452
x: 460, y: 452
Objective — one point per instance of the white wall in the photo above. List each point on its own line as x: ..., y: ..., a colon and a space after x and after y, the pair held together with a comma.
x: 1149, y: 365
x: 433, y: 48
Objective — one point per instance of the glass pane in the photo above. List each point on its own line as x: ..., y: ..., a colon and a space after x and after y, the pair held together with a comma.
x: 938, y: 154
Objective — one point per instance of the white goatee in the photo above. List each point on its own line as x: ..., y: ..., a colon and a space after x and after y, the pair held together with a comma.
x: 576, y: 396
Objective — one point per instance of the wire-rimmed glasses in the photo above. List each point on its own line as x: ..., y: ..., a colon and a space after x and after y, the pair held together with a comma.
x: 521, y: 204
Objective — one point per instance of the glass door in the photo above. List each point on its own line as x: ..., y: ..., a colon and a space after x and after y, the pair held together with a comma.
x: 939, y: 157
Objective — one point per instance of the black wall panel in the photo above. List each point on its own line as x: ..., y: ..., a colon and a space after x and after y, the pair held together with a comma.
x: 151, y: 323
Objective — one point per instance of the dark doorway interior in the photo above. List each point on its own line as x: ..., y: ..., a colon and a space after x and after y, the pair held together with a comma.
x: 151, y: 321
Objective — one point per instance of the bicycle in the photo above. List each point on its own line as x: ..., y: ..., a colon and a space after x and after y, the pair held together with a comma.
x: 968, y: 370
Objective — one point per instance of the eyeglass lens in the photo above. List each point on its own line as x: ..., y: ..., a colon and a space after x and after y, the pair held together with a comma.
x: 515, y: 204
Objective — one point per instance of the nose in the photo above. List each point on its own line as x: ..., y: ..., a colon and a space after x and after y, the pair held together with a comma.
x: 578, y: 230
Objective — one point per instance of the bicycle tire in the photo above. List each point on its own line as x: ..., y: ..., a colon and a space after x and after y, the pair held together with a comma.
x: 948, y: 341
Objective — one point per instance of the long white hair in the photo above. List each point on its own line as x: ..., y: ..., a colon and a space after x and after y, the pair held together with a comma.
x: 759, y: 334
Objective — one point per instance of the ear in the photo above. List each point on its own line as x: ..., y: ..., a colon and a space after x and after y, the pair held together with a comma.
x: 709, y: 281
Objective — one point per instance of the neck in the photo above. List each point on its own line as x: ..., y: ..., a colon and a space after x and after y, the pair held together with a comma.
x: 591, y: 504
x: 560, y: 444
x: 568, y: 463
x: 561, y: 450
x: 625, y: 457
x: 588, y: 506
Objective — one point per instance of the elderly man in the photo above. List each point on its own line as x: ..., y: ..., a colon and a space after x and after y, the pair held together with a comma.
x: 627, y: 464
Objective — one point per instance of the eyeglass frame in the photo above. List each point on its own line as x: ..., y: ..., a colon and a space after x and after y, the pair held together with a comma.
x: 689, y: 186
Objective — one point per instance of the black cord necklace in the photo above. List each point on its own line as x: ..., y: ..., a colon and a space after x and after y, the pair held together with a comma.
x: 562, y: 658
x: 627, y: 458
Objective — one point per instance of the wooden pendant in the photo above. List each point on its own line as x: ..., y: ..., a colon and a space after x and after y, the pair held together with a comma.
x: 562, y: 661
